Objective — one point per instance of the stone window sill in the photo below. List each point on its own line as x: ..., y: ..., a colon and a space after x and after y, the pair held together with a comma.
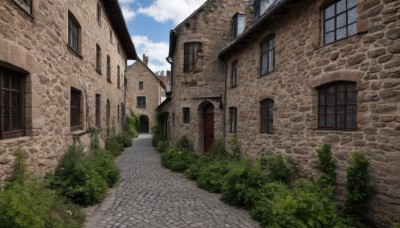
x: 14, y: 140
x: 78, y: 132
x: 74, y: 51
x: 334, y: 130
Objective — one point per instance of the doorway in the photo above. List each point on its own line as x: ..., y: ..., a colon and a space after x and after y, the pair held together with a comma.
x: 208, y: 127
x: 144, y: 124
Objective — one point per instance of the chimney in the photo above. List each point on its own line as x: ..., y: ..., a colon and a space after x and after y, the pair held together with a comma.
x: 145, y: 59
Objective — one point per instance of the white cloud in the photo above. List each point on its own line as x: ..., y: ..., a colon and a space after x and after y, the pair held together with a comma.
x: 167, y: 10
x: 128, y: 13
x: 156, y: 51
x: 122, y: 2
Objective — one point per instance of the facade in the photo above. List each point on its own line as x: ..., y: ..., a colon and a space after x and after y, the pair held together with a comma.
x: 62, y: 68
x: 145, y: 93
x: 300, y: 74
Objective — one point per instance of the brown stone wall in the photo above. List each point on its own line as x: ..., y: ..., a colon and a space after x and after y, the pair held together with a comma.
x: 37, y: 44
x: 212, y: 26
x: 371, y: 59
x: 152, y: 90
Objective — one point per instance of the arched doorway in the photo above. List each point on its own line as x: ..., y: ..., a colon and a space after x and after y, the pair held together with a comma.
x: 208, y: 126
x: 144, y: 124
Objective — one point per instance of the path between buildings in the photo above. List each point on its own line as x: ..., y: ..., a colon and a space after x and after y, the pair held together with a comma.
x: 149, y: 195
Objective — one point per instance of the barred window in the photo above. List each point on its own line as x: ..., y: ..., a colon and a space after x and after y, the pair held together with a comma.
x: 268, y: 56
x: 337, y: 106
x: 98, y: 110
x: 267, y: 116
x: 232, y: 120
x: 11, y: 103
x: 141, y: 102
x: 74, y: 33
x: 75, y: 109
x: 186, y: 115
x: 98, y: 59
x: 141, y: 85
x: 191, y: 51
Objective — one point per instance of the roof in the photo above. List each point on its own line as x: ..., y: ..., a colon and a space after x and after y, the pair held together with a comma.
x: 116, y: 18
x: 172, y: 35
x: 259, y: 25
x: 166, y: 101
x: 164, y: 79
x: 162, y: 84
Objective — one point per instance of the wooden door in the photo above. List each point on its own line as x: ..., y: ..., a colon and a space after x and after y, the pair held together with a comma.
x: 208, y: 127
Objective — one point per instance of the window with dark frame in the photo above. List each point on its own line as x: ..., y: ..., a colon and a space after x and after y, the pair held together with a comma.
x: 239, y: 24
x: 73, y: 33
x: 260, y: 6
x: 108, y: 68
x: 12, y: 103
x: 191, y: 52
x: 232, y: 120
x: 267, y: 116
x: 98, y: 59
x: 340, y: 20
x: 267, y: 56
x: 234, y: 72
x: 75, y: 109
x: 118, y: 114
x: 108, y: 113
x: 25, y: 5
x: 122, y: 112
x: 99, y: 13
x: 141, y: 85
x: 141, y: 102
x: 118, y: 78
x: 98, y: 110
x: 337, y: 106
x: 111, y: 36
x: 186, y: 115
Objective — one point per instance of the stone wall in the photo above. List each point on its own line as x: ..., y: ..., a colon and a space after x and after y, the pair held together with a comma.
x: 37, y: 44
x: 212, y: 26
x: 302, y: 63
x: 152, y: 90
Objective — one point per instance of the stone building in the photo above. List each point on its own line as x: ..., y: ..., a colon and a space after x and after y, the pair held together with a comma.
x: 145, y: 93
x: 62, y: 66
x: 295, y: 75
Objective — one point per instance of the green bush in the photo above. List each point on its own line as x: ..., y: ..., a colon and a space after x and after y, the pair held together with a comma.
x: 306, y: 205
x: 358, y: 190
x: 126, y: 139
x: 194, y: 169
x: 242, y: 183
x: 178, y: 160
x: 114, y: 146
x: 327, y: 165
x: 211, y: 176
x: 132, y: 125
x: 78, y: 179
x: 161, y: 146
x: 184, y: 144
x: 279, y: 167
x: 105, y: 166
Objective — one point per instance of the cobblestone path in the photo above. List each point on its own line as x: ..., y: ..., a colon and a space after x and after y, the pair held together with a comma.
x: 149, y: 195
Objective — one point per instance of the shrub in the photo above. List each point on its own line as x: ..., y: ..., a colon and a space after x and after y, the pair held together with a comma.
x: 184, y: 144
x: 306, y: 205
x: 194, y: 169
x: 211, y: 176
x: 126, y: 139
x: 132, y: 125
x: 327, y: 165
x: 178, y: 160
x: 242, y: 183
x: 161, y: 146
x: 114, y: 146
x: 105, y: 166
x: 233, y: 140
x: 280, y: 168
x: 358, y: 190
x: 78, y: 179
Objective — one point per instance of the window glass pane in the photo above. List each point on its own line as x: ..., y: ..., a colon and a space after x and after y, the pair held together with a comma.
x: 270, y: 61
x: 271, y: 44
x: 351, y: 87
x: 340, y: 6
x: 329, y: 25
x: 351, y: 3
x: 264, y: 64
x: 330, y: 11
x: 341, y: 20
x: 352, y: 29
x: 351, y: 98
x: 330, y: 110
x: 321, y: 109
x: 265, y: 47
x: 341, y: 98
x: 351, y: 121
x: 341, y: 87
x: 321, y: 121
x: 330, y: 99
x: 321, y: 98
x: 329, y: 37
x: 341, y: 109
x: 352, y: 15
x: 270, y: 113
x: 341, y: 33
x: 270, y: 125
x: 351, y: 109
x: 340, y: 118
x: 330, y: 120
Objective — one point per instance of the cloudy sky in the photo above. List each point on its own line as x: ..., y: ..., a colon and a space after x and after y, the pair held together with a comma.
x: 149, y: 23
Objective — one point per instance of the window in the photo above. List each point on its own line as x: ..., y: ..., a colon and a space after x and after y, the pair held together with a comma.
x: 99, y: 13
x: 108, y: 68
x: 186, y: 115
x: 340, y: 20
x: 25, y: 5
x: 108, y: 113
x: 234, y: 74
x: 267, y: 117
x: 122, y: 113
x: 118, y: 77
x: 75, y: 110
x: 141, y: 85
x: 118, y: 114
x: 268, y: 56
x: 337, y: 106
x: 260, y: 6
x: 98, y: 111
x: 239, y: 24
x: 98, y: 59
x: 191, y: 56
x: 232, y: 120
x: 73, y: 33
x: 12, y: 104
x: 141, y: 102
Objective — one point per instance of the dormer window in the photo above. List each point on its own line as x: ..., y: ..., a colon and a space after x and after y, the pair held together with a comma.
x: 239, y: 24
x: 260, y: 6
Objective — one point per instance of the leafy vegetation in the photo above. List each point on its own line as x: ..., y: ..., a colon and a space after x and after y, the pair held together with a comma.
x: 279, y: 167
x: 178, y: 160
x: 327, y: 165
x: 132, y: 125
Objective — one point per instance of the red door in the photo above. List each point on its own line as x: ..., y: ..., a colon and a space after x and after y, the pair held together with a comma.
x: 208, y: 127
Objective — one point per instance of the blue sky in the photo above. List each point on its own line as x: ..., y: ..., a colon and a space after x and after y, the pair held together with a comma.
x: 149, y: 23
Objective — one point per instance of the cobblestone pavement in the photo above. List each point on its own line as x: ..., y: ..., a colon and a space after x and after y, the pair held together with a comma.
x: 149, y: 195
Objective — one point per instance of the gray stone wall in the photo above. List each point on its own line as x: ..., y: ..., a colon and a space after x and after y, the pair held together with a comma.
x: 37, y: 44
x: 302, y: 63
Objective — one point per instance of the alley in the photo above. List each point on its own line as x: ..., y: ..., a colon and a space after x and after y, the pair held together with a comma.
x: 149, y: 195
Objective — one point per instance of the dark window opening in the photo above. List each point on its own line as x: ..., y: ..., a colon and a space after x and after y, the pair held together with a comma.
x: 108, y: 68
x: 268, y: 56
x: 99, y: 13
x: 340, y: 20
x: 98, y: 111
x: 75, y: 110
x: 267, y: 116
x: 108, y: 113
x: 239, y: 24
x: 25, y: 5
x: 98, y: 59
x: 232, y: 120
x: 234, y: 72
x: 141, y: 85
x: 141, y: 102
x: 186, y: 115
x: 118, y: 78
x: 191, y: 53
x: 73, y: 33
x: 337, y: 106
x: 260, y: 6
